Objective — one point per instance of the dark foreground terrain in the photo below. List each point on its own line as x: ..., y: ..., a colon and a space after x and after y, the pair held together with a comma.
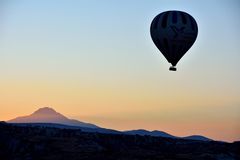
x: 30, y: 143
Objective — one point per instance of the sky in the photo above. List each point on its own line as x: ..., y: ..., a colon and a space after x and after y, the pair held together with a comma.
x: 95, y: 61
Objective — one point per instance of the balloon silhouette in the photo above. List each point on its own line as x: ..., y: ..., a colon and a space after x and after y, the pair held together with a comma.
x: 173, y: 32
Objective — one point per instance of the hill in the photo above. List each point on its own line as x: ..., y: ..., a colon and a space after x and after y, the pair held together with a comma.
x: 47, y: 143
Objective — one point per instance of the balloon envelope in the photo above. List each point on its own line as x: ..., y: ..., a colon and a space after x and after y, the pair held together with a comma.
x: 173, y: 32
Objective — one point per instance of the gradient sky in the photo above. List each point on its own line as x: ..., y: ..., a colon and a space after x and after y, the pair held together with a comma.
x: 95, y: 61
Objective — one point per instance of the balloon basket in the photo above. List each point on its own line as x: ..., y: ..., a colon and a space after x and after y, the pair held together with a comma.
x: 172, y: 68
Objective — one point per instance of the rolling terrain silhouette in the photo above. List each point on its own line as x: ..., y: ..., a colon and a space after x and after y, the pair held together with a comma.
x: 48, y: 117
x: 50, y: 143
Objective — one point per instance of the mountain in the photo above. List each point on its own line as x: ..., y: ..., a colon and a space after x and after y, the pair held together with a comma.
x: 143, y: 132
x: 156, y: 133
x: 49, y: 115
x: 197, y: 137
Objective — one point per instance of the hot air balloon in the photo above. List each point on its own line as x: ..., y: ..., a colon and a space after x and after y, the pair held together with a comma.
x: 173, y: 32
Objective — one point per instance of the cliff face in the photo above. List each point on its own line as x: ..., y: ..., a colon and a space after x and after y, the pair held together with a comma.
x: 51, y: 143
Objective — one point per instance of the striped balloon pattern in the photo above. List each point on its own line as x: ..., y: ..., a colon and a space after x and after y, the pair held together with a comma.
x: 173, y: 32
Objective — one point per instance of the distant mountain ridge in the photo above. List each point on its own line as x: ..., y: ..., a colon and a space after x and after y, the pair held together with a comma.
x: 197, y: 137
x: 48, y: 117
x: 155, y: 133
